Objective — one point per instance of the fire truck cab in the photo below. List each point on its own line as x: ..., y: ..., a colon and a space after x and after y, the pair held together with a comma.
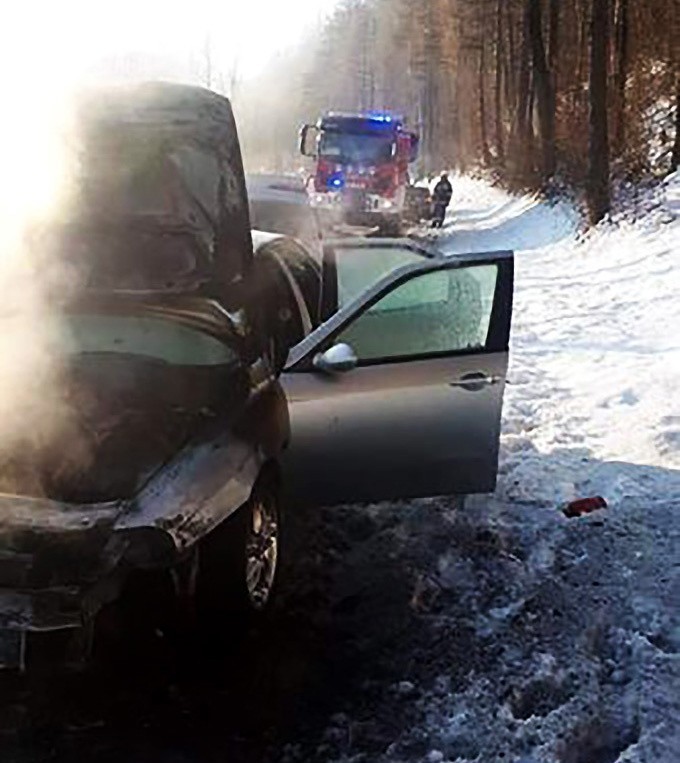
x: 361, y: 170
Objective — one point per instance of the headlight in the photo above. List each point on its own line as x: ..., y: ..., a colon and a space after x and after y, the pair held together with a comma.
x: 325, y: 199
x: 385, y: 205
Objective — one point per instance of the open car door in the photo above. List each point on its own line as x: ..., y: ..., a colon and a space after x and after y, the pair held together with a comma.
x: 399, y: 393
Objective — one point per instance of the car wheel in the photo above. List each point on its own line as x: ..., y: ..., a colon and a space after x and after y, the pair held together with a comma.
x: 239, y: 560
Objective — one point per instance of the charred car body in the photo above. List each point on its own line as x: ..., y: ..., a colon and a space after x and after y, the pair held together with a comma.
x: 169, y: 422
x: 166, y: 416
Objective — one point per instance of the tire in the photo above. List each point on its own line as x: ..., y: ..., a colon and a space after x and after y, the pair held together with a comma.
x: 239, y: 561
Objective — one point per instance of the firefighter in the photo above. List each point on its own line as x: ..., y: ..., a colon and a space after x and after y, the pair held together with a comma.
x: 441, y: 198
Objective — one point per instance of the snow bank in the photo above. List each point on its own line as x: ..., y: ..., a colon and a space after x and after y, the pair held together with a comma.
x: 593, y: 398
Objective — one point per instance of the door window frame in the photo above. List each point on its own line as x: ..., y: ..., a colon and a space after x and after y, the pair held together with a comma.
x: 301, y: 356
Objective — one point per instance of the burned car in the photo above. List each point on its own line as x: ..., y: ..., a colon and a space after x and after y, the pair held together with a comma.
x: 292, y: 276
x: 151, y: 439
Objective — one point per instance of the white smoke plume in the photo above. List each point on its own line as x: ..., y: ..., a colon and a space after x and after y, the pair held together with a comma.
x: 35, y: 156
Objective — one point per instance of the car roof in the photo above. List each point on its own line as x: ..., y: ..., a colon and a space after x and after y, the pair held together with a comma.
x: 420, y: 247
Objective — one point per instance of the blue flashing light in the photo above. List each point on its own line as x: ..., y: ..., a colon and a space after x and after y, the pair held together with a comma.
x: 380, y: 117
x: 335, y: 181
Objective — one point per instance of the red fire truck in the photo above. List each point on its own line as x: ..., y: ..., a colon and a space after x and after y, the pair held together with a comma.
x: 361, y: 172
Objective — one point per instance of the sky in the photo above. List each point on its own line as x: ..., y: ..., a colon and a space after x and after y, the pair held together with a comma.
x: 50, y: 47
x: 56, y: 42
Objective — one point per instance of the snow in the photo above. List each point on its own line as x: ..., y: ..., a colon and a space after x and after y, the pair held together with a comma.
x: 592, y: 407
x: 417, y: 632
x: 594, y: 382
x: 535, y: 638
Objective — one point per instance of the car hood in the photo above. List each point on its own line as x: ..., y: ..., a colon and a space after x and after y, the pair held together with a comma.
x: 156, y: 194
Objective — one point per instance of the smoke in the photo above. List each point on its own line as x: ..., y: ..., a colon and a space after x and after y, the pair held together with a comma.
x: 36, y: 156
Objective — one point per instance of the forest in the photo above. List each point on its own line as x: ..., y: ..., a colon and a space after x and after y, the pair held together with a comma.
x: 538, y: 92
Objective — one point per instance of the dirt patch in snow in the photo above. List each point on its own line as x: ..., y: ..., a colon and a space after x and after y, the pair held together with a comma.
x: 529, y: 638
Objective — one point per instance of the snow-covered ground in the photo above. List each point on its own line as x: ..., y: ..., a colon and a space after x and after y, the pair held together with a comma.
x: 594, y: 383
x: 413, y: 632
x: 536, y: 638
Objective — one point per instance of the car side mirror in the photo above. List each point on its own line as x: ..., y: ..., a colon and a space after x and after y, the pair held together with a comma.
x: 337, y: 359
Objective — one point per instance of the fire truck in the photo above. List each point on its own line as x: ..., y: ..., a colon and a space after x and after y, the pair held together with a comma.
x: 361, y: 171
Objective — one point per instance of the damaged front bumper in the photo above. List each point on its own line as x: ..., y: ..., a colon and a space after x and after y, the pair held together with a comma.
x: 26, y: 612
x: 60, y: 563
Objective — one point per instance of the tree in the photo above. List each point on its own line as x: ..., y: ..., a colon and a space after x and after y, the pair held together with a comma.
x: 477, y: 79
x: 675, y: 155
x: 486, y: 154
x: 598, y: 157
x: 522, y: 116
x: 621, y: 78
x: 544, y: 87
x: 500, y: 139
x: 675, y: 63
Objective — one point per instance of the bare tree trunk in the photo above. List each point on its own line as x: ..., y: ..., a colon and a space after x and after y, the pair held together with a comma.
x: 582, y: 46
x: 207, y: 55
x: 598, y: 164
x: 544, y: 88
x: 500, y: 140
x: 553, y: 65
x: 462, y: 153
x: 523, y: 113
x: 531, y: 137
x: 482, y: 104
x: 675, y: 156
x: 554, y: 38
x: 622, y: 36
x: 675, y: 62
x: 510, y: 62
x: 430, y: 110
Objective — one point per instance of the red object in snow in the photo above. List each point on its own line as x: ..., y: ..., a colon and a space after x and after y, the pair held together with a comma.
x: 583, y: 506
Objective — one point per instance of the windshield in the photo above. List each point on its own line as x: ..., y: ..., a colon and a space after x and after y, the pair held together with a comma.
x: 356, y: 148
x: 125, y: 394
x: 145, y: 337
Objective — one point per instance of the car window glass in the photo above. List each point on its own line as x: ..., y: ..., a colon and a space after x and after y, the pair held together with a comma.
x: 155, y: 338
x: 361, y: 148
x: 440, y: 312
x: 358, y: 269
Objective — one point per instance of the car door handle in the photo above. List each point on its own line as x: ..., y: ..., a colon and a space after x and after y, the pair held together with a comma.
x: 475, y: 381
